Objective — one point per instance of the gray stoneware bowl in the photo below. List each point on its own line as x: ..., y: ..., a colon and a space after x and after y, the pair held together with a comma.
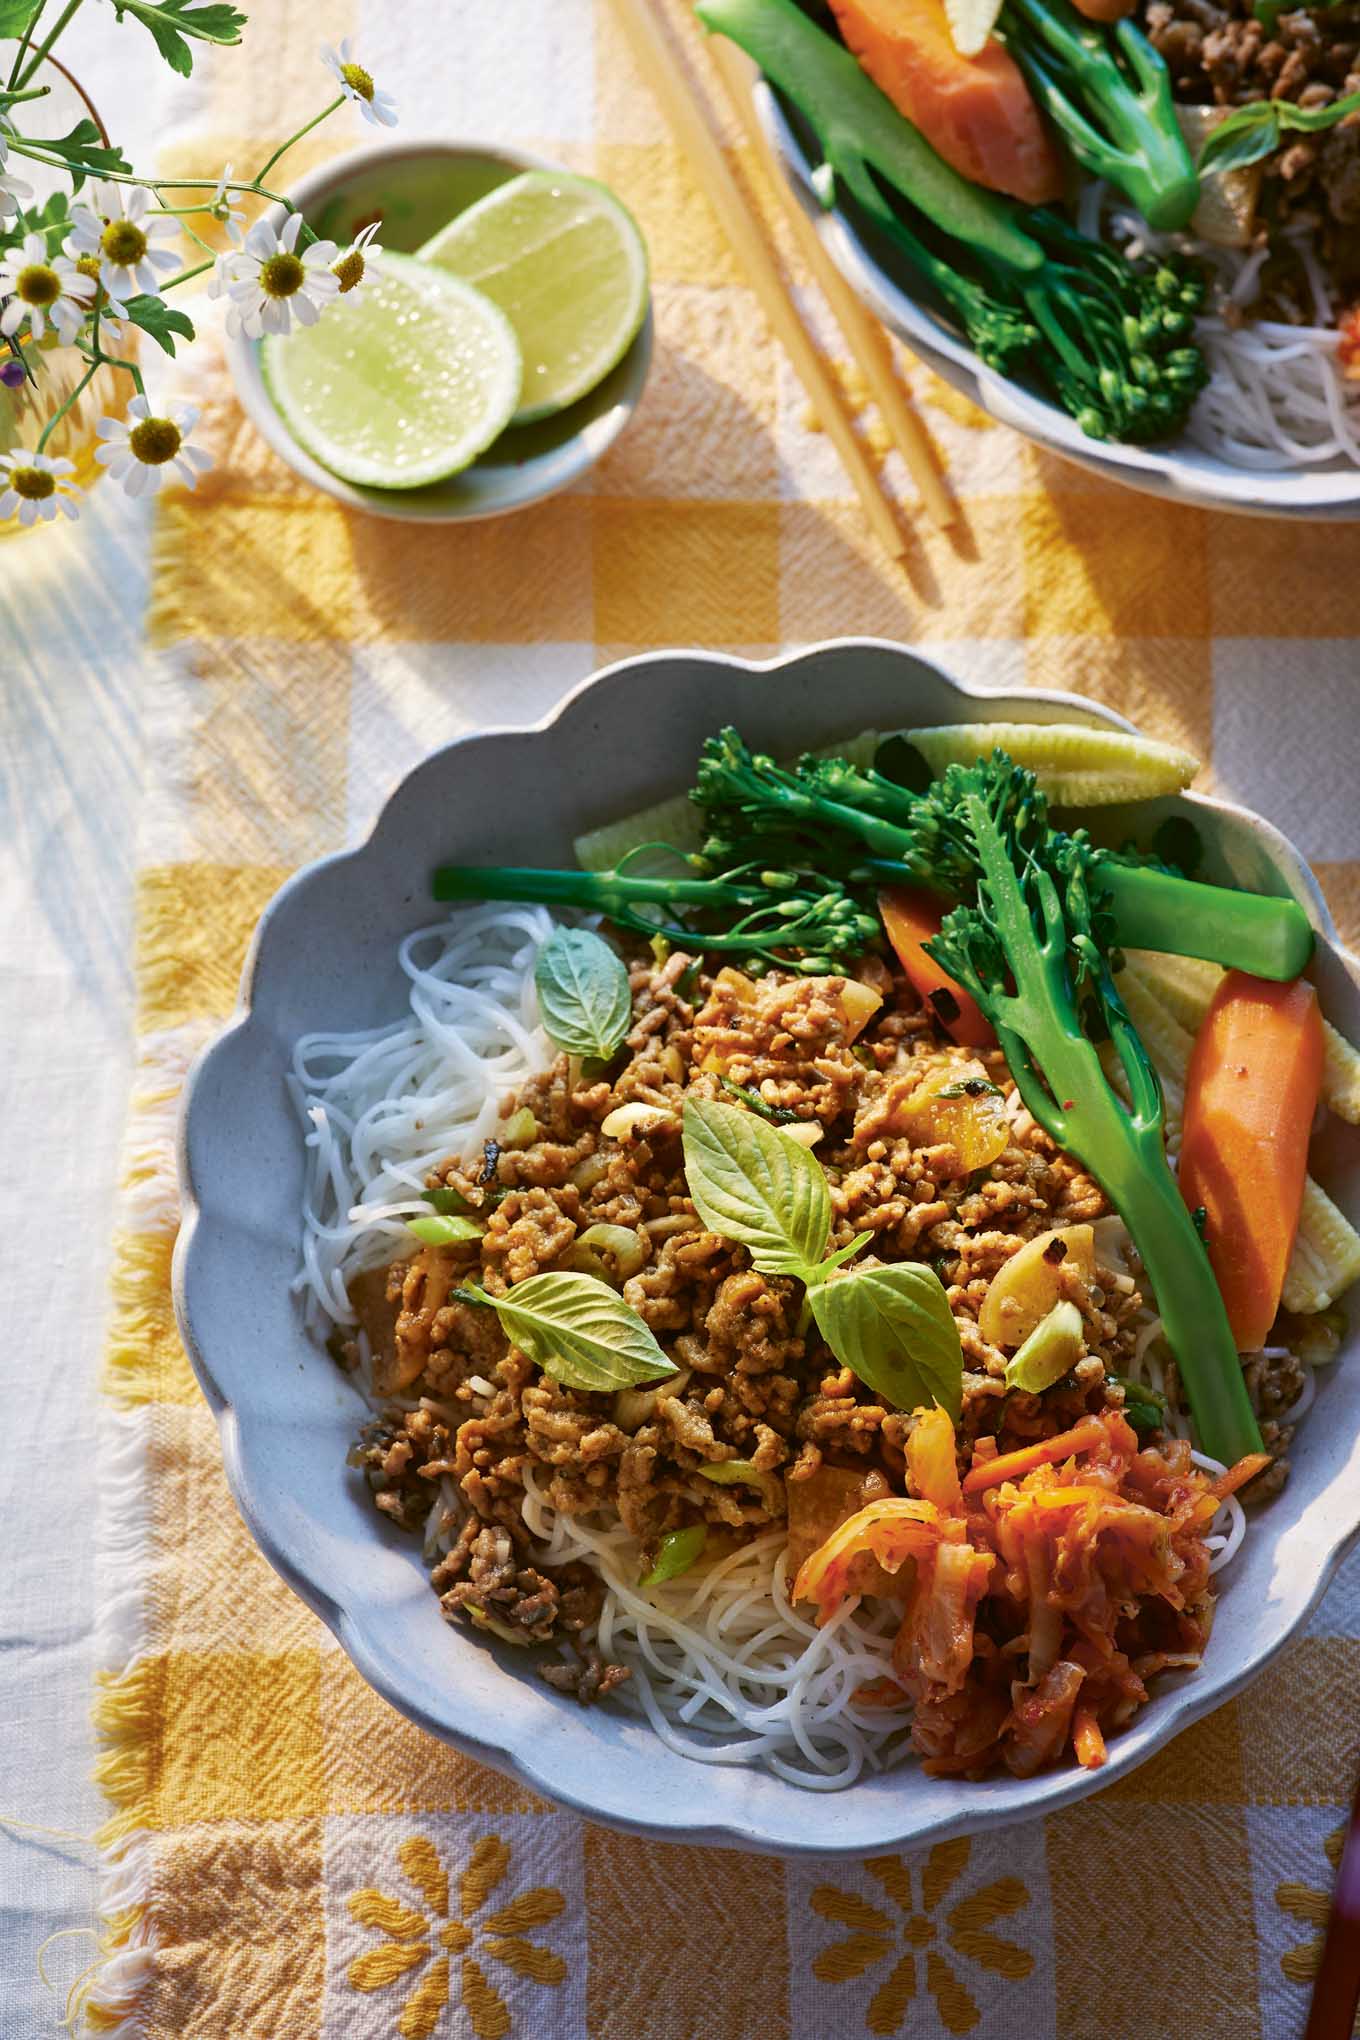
x: 324, y: 955
x: 1178, y: 472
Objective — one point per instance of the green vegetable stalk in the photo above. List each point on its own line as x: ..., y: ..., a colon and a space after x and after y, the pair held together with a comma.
x: 1108, y: 93
x: 1111, y: 341
x: 762, y: 910
x: 1031, y: 955
x: 746, y: 796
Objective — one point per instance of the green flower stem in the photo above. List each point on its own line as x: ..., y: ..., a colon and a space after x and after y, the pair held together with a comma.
x: 50, y: 427
x: 21, y: 146
x: 197, y: 238
x: 284, y: 147
x: 186, y: 275
x: 24, y: 41
x: 44, y: 49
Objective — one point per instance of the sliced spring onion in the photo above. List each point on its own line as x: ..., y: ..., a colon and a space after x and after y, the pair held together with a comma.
x: 727, y: 1472
x: 676, y: 1553
x: 612, y: 1251
x: 519, y: 1129
x: 448, y: 1231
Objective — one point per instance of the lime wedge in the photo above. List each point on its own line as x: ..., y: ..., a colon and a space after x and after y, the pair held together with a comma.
x: 567, y: 265
x: 1076, y: 765
x: 405, y: 386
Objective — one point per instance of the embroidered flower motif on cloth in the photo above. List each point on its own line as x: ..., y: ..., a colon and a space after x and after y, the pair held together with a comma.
x: 1304, y: 1902
x: 874, y: 1936
x: 412, y: 1938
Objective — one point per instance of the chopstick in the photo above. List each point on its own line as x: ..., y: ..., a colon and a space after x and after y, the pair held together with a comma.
x: 679, y: 102
x: 1336, y: 1987
x: 868, y: 343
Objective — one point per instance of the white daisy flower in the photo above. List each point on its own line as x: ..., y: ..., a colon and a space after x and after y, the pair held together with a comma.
x: 112, y: 311
x: 140, y: 450
x: 270, y: 284
x: 14, y: 192
x: 117, y: 230
x: 36, y: 485
x: 14, y: 196
x: 223, y: 204
x: 42, y: 289
x: 357, y: 84
x: 352, y: 268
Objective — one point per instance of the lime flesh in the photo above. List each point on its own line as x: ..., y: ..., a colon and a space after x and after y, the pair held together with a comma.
x: 567, y: 265
x: 405, y: 386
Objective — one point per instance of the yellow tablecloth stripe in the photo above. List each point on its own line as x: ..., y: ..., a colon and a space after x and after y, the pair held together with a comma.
x: 288, y: 1858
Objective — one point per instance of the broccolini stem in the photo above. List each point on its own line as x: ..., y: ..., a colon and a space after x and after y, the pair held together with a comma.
x: 793, y: 918
x: 1038, y: 1029
x: 1271, y: 938
x: 607, y: 892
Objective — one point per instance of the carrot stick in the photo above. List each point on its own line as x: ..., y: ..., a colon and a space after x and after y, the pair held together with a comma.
x: 911, y: 918
x: 1250, y: 1096
x: 1237, y: 1476
x: 1087, y: 1740
x: 1083, y: 1437
x: 977, y: 112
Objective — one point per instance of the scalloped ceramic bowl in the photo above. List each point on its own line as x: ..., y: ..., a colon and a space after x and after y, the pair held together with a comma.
x: 325, y: 956
x: 1179, y: 473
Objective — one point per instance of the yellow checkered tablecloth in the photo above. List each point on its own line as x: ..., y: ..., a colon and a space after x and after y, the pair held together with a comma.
x: 289, y: 1858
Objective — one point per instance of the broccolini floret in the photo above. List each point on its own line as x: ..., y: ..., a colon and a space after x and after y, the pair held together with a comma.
x: 1108, y: 93
x: 1110, y: 340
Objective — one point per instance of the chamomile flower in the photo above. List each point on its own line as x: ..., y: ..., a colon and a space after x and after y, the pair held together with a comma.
x: 270, y: 284
x: 222, y: 204
x: 141, y: 450
x: 112, y: 311
x: 352, y: 268
x: 117, y: 230
x: 14, y: 192
x: 36, y: 485
x: 357, y: 84
x: 42, y: 289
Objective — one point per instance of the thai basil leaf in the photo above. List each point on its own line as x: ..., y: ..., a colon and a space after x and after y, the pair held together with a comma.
x: 1257, y: 130
x: 580, y: 1331
x: 446, y: 1231
x: 753, y: 1185
x: 778, y: 1115
x: 893, y: 1328
x: 840, y: 1257
x: 583, y: 993
x: 1245, y: 137
x: 1312, y: 120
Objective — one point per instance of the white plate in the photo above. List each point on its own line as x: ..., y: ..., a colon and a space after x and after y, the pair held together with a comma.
x: 1178, y: 472
x: 416, y: 187
x: 324, y: 956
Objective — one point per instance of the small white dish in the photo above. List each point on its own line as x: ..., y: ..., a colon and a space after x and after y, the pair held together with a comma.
x: 1177, y: 472
x: 415, y: 187
x: 324, y: 956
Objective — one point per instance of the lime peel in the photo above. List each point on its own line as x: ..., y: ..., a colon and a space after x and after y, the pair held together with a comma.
x: 565, y: 262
